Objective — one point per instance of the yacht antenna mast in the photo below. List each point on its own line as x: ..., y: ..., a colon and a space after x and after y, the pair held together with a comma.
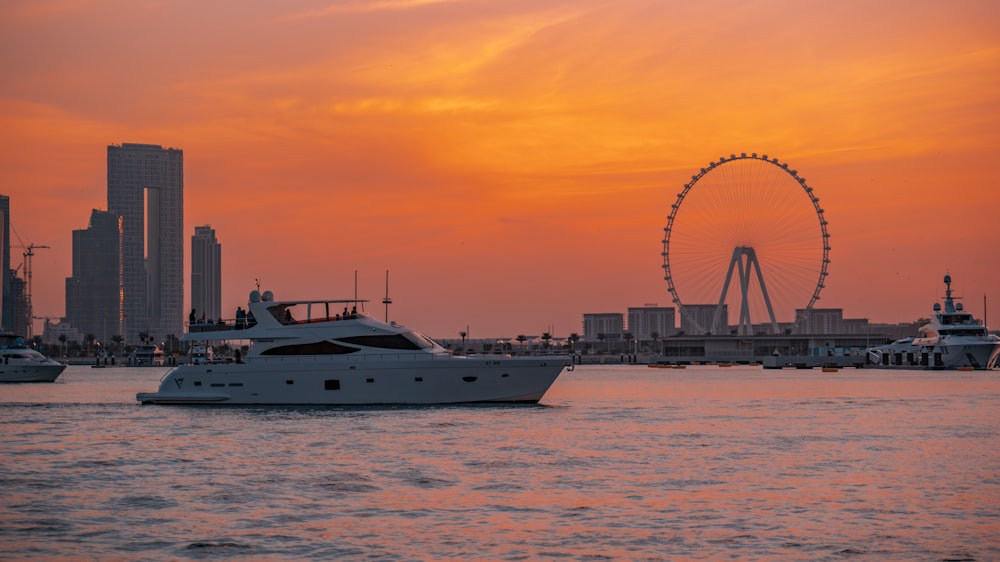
x: 387, y: 301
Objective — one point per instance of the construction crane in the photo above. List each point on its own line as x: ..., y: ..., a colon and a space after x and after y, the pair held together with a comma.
x: 29, y: 252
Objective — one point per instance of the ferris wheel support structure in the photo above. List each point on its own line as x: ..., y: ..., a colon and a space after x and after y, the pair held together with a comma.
x: 744, y: 259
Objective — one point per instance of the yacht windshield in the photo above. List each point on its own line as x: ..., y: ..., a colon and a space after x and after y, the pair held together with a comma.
x: 421, y: 340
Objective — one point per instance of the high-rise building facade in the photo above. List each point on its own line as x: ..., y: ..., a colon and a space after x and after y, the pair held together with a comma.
x: 19, y: 302
x: 146, y: 189
x: 94, y: 300
x: 6, y: 295
x: 206, y: 273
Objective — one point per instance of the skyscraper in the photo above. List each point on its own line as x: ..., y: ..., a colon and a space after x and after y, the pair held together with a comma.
x: 93, y: 296
x: 206, y: 273
x: 6, y: 296
x: 146, y: 189
x: 14, y: 314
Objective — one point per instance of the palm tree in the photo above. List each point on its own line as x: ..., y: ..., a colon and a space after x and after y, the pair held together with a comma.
x: 602, y: 336
x: 62, y: 340
x: 573, y: 338
x: 521, y: 338
x: 89, y: 340
x: 655, y: 336
x: 545, y: 338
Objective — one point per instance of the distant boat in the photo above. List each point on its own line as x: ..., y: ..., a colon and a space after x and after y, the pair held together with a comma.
x: 952, y: 339
x: 201, y: 353
x: 308, y: 352
x: 23, y: 364
x: 147, y: 356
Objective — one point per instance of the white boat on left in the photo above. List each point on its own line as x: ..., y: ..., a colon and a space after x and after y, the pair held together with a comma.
x: 20, y: 363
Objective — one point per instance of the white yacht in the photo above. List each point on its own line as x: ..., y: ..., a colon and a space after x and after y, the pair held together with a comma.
x: 952, y: 339
x: 147, y: 355
x: 200, y: 353
x: 19, y: 363
x: 311, y: 352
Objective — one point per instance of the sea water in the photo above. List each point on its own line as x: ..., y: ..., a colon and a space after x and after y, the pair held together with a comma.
x: 616, y: 463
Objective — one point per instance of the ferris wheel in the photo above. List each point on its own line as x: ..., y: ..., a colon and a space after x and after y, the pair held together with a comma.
x: 746, y: 235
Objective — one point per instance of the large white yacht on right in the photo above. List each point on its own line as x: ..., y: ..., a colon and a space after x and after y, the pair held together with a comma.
x: 952, y: 339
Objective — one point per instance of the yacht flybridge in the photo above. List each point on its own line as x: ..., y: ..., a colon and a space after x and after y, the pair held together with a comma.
x: 318, y: 353
x: 952, y: 339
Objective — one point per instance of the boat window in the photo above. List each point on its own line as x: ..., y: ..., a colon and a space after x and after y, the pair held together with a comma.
x: 384, y: 341
x: 331, y: 384
x: 317, y: 348
x: 965, y: 318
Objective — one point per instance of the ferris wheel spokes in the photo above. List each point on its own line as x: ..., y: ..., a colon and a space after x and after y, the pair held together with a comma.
x: 748, y: 208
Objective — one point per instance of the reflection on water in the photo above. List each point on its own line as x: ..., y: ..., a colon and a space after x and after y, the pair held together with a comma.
x: 618, y: 462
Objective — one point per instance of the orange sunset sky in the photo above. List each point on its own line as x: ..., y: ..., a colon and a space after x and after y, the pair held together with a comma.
x: 512, y: 163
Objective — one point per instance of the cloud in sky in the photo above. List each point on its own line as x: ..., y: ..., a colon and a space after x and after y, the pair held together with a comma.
x: 514, y: 155
x: 363, y: 6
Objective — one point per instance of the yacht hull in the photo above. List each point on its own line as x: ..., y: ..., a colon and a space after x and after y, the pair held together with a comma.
x: 318, y: 381
x: 47, y: 372
x: 977, y: 355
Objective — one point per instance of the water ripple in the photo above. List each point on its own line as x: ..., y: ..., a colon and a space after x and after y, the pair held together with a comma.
x: 617, y: 464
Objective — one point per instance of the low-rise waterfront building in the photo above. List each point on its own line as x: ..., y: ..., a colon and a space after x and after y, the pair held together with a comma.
x: 651, y: 322
x: 603, y: 326
x: 699, y: 319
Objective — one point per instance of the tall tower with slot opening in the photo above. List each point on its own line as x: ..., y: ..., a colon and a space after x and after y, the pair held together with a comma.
x: 146, y: 189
